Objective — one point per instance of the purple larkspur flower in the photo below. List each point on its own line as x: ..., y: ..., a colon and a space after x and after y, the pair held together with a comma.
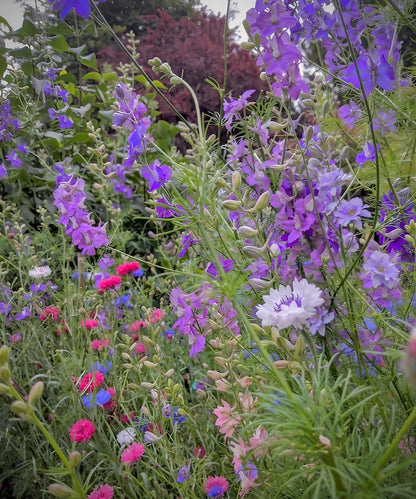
x: 81, y: 7
x: 3, y: 170
x: 382, y: 268
x: 14, y: 159
x: 65, y: 122
x: 233, y: 106
x: 367, y: 154
x: 156, y: 174
x: 183, y: 474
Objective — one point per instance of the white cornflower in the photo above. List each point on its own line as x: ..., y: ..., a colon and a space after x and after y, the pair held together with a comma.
x: 40, y: 272
x: 286, y: 308
x: 126, y: 437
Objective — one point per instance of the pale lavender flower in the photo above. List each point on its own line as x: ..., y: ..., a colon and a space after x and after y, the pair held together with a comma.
x: 351, y: 212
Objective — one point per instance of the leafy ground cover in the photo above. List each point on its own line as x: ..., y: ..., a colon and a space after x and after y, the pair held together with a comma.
x: 218, y: 308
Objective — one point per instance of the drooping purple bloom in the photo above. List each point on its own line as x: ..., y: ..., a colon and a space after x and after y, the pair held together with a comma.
x: 81, y: 7
x: 156, y: 174
x: 3, y: 170
x: 64, y: 121
x: 350, y: 113
x: 368, y: 153
x: 183, y: 474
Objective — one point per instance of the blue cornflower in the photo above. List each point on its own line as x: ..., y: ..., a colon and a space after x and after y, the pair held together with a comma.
x: 102, y: 368
x: 100, y: 398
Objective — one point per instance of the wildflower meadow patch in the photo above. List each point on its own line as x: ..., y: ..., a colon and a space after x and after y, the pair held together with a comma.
x: 213, y: 307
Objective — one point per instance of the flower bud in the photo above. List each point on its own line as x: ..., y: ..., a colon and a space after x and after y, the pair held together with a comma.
x: 253, y: 251
x: 236, y: 180
x: 220, y: 361
x: 19, y: 407
x: 247, y: 45
x: 149, y: 364
x: 5, y: 373
x: 4, y: 355
x: 147, y: 386
x: 60, y: 490
x: 325, y: 441
x: 155, y: 62
x: 261, y: 203
x: 169, y: 373
x: 308, y: 133
x: 214, y: 375
x: 74, y: 458
x: 231, y: 204
x: 247, y: 232
x: 175, y: 80
x: 35, y: 393
x: 4, y: 389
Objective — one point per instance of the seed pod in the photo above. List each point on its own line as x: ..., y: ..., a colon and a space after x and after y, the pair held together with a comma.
x: 261, y: 203
x: 59, y: 490
x: 4, y: 355
x: 231, y: 204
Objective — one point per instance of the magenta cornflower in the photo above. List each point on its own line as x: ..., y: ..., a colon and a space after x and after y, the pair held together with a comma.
x: 91, y: 381
x: 102, y: 492
x: 127, y: 268
x: 132, y: 454
x: 216, y: 486
x: 110, y: 282
x: 52, y: 312
x: 89, y: 323
x: 81, y: 431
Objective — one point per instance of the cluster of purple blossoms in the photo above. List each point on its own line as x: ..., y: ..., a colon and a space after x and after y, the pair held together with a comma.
x: 69, y: 198
x: 131, y: 114
x: 197, y: 316
x: 8, y: 124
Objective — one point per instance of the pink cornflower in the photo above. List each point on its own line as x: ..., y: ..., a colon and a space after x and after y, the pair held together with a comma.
x: 140, y: 348
x: 51, y: 312
x: 89, y: 323
x: 132, y: 454
x: 216, y: 486
x: 100, y: 344
x: 137, y: 325
x: 102, y: 492
x: 127, y: 268
x: 91, y: 381
x: 156, y: 315
x: 226, y: 420
x: 112, y: 402
x: 110, y: 282
x: 81, y: 431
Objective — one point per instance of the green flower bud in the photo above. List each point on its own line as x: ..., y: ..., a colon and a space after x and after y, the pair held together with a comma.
x: 253, y: 251
x: 4, y: 355
x: 35, y: 393
x: 4, y: 389
x: 236, y: 180
x: 261, y: 203
x: 247, y: 232
x: 231, y: 204
x: 74, y: 458
x: 5, y: 373
x: 60, y: 490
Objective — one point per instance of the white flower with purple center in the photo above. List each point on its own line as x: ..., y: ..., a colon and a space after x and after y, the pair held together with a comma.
x: 40, y: 272
x: 287, y: 307
x: 127, y: 436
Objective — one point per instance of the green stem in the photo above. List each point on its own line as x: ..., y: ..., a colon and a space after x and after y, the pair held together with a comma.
x: 393, y: 446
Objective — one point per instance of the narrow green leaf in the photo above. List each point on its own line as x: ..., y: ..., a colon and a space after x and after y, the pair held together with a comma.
x: 4, y: 21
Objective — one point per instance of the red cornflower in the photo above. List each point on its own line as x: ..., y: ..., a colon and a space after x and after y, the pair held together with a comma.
x: 102, y: 492
x: 91, y: 381
x: 89, y: 323
x: 156, y: 315
x: 52, y: 312
x: 110, y: 282
x: 216, y: 486
x: 127, y: 268
x: 81, y: 431
x: 132, y: 453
